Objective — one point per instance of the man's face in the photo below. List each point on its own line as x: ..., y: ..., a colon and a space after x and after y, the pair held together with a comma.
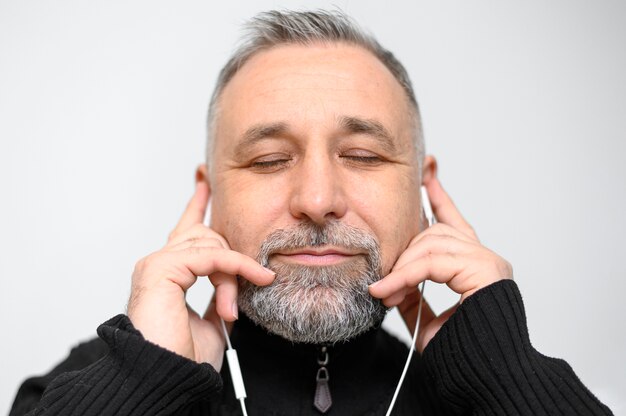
x: 315, y: 135
x: 291, y: 146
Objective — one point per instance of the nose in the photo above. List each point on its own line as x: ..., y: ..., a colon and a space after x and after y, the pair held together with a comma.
x: 317, y: 192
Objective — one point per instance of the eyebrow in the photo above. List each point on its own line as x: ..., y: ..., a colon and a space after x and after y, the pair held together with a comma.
x: 258, y: 132
x: 349, y: 124
x: 370, y: 127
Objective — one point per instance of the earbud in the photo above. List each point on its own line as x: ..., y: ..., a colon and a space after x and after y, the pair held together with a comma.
x: 427, y: 208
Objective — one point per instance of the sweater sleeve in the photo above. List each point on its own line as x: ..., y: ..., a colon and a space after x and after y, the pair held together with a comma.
x: 483, y: 363
x: 134, y: 377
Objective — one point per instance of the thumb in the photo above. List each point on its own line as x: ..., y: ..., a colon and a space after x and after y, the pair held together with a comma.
x: 408, y: 310
x: 428, y: 331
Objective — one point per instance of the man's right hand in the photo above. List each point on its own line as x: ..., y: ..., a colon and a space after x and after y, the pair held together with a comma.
x: 157, y: 306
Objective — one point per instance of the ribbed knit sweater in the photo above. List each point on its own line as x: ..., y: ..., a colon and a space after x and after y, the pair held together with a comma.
x: 481, y: 362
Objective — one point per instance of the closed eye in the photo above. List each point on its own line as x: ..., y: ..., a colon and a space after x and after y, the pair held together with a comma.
x: 270, y: 164
x: 364, y: 159
x: 361, y: 157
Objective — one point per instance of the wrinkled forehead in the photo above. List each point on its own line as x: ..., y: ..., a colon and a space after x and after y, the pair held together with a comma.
x: 312, y: 88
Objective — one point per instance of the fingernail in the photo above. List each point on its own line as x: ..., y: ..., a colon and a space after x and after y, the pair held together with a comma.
x: 235, y: 310
x: 270, y: 271
x: 375, y: 283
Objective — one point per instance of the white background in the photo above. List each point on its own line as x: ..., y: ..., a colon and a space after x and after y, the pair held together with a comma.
x: 102, y: 111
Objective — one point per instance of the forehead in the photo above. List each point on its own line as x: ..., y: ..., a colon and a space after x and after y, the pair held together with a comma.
x: 311, y: 86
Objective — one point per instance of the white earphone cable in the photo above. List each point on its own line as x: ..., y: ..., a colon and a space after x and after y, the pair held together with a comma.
x: 411, y: 349
x: 430, y: 218
x: 235, y: 370
x: 233, y: 361
x: 231, y: 353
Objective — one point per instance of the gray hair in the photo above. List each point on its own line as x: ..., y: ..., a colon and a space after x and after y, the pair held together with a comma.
x: 273, y: 28
x: 316, y: 304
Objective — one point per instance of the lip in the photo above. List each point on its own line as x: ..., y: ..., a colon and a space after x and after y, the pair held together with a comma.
x: 313, y: 256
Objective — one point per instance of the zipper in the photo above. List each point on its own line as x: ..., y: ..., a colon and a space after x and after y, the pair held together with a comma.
x: 322, y: 400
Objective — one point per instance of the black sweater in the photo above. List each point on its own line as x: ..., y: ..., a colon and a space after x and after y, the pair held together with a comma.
x: 481, y: 362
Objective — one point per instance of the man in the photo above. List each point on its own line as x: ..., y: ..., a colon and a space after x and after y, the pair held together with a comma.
x: 314, y: 166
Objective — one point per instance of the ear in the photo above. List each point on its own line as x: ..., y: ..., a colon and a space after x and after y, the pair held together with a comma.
x: 202, y: 174
x: 429, y: 170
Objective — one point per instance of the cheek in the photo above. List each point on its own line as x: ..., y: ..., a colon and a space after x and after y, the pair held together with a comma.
x: 391, y: 211
x: 243, y: 213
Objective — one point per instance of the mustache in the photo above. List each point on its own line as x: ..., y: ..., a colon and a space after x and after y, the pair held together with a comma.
x: 307, y: 234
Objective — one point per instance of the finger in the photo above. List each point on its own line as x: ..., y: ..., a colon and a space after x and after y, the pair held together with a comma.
x: 208, y: 336
x: 196, y: 231
x: 430, y: 243
x: 211, y: 315
x: 196, y: 243
x: 464, y: 274
x: 395, y: 299
x: 444, y: 209
x: 428, y: 331
x: 440, y: 268
x: 196, y: 209
x: 183, y: 266
x: 444, y: 230
x: 225, y: 295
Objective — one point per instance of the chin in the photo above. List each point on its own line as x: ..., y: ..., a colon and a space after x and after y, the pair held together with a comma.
x: 315, y: 305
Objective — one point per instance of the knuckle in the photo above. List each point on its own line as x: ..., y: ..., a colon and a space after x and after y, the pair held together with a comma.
x: 140, y: 266
x: 430, y: 259
x: 140, y: 263
x: 499, y: 267
x: 209, y: 253
x: 428, y: 238
x: 172, y: 235
x: 219, y: 239
x: 432, y: 238
x: 197, y: 250
x: 507, y: 270
x: 215, y: 242
x: 149, y: 262
x: 193, y: 241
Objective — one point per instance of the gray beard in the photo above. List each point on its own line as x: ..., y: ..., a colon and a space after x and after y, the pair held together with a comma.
x: 316, y: 304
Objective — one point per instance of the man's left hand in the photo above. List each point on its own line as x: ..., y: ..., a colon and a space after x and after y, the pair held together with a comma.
x: 448, y: 252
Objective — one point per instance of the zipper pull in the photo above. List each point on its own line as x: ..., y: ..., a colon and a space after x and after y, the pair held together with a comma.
x: 322, y: 400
